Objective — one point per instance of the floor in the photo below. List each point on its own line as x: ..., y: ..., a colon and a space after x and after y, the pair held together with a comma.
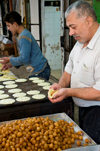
x: 56, y: 73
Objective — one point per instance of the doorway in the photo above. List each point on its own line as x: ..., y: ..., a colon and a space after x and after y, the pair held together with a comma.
x: 51, y: 32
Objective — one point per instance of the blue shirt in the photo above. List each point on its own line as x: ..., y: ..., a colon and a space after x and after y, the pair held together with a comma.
x: 29, y: 52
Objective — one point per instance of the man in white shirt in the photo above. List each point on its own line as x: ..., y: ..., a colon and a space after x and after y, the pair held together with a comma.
x: 82, y: 71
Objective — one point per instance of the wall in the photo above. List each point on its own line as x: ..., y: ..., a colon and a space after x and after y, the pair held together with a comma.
x: 34, y: 17
x: 51, y: 32
x: 1, y: 31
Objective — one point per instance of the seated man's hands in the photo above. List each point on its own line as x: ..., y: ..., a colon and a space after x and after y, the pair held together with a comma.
x: 4, y: 60
x: 6, y: 66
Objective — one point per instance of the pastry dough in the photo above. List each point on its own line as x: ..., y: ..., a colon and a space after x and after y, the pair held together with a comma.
x: 3, y: 96
x: 1, y: 92
x: 32, y: 92
x: 7, y: 77
x: 51, y: 93
x: 43, y: 84
x: 38, y: 96
x: 46, y: 87
x: 8, y: 82
x: 14, y: 90
x: 34, y: 78
x: 23, y: 99
x: 18, y: 95
x: 11, y: 86
x: 7, y: 101
x: 21, y: 80
x: 38, y: 81
x: 1, y: 86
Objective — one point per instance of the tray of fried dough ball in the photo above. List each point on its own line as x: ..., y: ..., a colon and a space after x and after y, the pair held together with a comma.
x: 55, y: 132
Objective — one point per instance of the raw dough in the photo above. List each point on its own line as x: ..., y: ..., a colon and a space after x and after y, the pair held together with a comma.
x: 7, y: 101
x: 1, y: 86
x: 8, y: 82
x: 38, y: 96
x: 21, y: 80
x: 46, y: 87
x: 3, y: 96
x: 51, y: 93
x: 11, y: 86
x: 44, y: 84
x: 34, y: 78
x: 23, y: 99
x: 32, y: 92
x: 14, y: 90
x: 1, y: 92
x: 18, y: 95
x: 38, y: 81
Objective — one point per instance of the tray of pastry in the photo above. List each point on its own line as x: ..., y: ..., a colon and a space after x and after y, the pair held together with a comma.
x: 53, y: 132
x: 19, y: 91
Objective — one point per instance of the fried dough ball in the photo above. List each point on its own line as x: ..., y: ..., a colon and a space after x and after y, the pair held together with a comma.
x: 38, y: 134
x: 78, y: 143
x: 87, y: 140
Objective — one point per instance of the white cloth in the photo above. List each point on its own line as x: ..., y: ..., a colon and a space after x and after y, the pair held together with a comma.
x: 84, y: 67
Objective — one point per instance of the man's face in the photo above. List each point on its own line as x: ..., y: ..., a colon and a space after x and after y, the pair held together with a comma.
x: 78, y: 27
x: 11, y: 27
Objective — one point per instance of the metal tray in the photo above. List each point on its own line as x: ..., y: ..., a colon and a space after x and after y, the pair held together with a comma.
x: 63, y: 116
x: 88, y: 148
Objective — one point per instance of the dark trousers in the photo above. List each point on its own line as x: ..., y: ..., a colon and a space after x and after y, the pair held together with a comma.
x: 45, y: 74
x: 89, y: 120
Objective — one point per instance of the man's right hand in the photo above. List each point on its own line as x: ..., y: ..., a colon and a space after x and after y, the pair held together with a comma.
x: 4, y: 60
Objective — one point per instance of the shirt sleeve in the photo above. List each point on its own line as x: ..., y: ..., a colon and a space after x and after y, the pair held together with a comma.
x: 25, y: 52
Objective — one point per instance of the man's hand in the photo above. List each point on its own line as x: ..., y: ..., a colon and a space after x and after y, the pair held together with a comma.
x: 4, y: 60
x: 59, y: 95
x: 6, y: 66
x: 55, y: 86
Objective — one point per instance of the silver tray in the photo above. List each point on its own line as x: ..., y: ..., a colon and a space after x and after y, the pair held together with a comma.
x: 88, y: 148
x: 63, y: 116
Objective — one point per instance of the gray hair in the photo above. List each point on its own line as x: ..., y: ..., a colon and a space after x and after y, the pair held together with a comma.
x: 83, y: 8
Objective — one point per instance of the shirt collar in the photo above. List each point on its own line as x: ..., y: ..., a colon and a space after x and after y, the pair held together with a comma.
x: 94, y: 39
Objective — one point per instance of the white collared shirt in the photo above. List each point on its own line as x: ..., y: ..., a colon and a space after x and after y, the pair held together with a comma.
x: 84, y: 67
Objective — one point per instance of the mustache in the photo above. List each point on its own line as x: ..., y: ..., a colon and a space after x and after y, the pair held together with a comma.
x: 75, y: 36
